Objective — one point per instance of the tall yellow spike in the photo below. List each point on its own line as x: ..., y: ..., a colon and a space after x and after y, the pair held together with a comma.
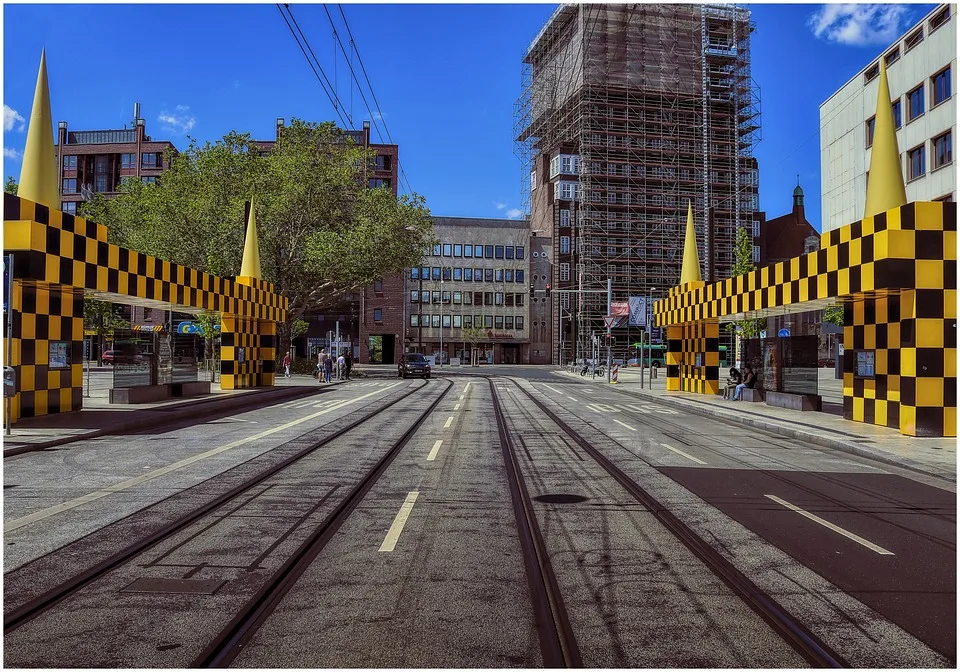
x: 38, y: 174
x: 885, y: 190
x: 250, y: 266
x: 690, y: 271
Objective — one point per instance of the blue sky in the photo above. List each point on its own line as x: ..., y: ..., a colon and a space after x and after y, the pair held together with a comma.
x: 446, y: 77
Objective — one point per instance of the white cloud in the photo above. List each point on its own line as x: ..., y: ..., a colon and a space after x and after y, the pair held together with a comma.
x: 12, y: 118
x: 859, y: 25
x: 378, y: 116
x: 501, y: 206
x: 179, y: 121
x: 514, y: 213
x: 9, y: 153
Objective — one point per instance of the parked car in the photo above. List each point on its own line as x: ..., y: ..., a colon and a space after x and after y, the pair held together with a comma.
x: 413, y: 364
x: 826, y: 362
x: 121, y: 357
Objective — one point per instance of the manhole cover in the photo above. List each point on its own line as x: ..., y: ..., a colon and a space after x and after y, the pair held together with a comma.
x: 561, y: 499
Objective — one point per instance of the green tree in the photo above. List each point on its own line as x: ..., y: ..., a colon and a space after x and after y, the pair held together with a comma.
x: 743, y: 263
x: 102, y: 318
x: 834, y: 315
x: 11, y: 185
x: 323, y: 233
x: 473, y: 335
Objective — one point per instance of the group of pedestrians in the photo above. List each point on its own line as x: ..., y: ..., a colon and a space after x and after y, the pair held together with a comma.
x: 326, y: 366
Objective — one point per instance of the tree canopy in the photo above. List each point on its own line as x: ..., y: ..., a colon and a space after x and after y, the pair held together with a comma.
x: 323, y: 233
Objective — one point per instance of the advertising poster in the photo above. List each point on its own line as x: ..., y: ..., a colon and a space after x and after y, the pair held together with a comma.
x: 59, y: 354
x: 638, y: 311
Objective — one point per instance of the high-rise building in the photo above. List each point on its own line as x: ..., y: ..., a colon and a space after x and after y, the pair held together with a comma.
x: 921, y: 70
x: 627, y: 113
x: 97, y: 162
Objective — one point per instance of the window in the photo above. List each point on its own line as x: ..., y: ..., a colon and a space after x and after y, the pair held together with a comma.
x: 756, y: 229
x: 468, y: 274
x: 519, y: 275
x: 457, y: 321
x: 892, y: 56
x: 378, y: 314
x: 508, y: 252
x: 488, y: 275
x: 435, y: 321
x: 498, y: 275
x: 564, y: 272
x: 519, y: 299
x: 564, y: 244
x: 436, y: 297
x: 377, y: 182
x: 445, y: 297
x: 458, y: 273
x: 378, y: 286
x: 383, y: 162
x: 468, y: 321
x: 69, y: 207
x: 435, y: 273
x: 897, y: 118
x: 488, y: 298
x: 498, y: 322
x: 871, y: 124
x: 69, y: 185
x: 519, y: 322
x: 468, y: 250
x: 436, y: 250
x: 478, y: 274
x: 498, y: 299
x: 447, y: 274
x: 478, y: 298
x: 150, y: 179
x: 414, y: 296
x: 519, y: 252
x: 940, y: 19
x: 425, y: 296
x: 151, y: 160
x: 913, y: 40
x: 415, y: 273
x: 70, y: 163
x: 458, y: 297
x: 508, y: 322
x: 468, y: 298
x: 941, y: 86
x: 756, y: 254
x: 414, y: 320
x: 508, y: 300
x: 916, y: 163
x: 942, y: 150
x: 488, y: 251
x: 564, y: 218
x: 446, y: 321
x: 458, y: 250
x: 915, y: 102
x: 447, y: 249
x: 871, y: 73
x: 508, y: 275
x: 488, y: 321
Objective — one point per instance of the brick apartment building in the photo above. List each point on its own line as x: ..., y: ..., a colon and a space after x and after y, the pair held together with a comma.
x: 97, y: 162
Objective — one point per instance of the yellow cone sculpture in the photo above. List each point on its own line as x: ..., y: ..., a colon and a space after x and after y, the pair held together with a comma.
x: 885, y: 189
x: 690, y: 271
x: 38, y: 175
x: 250, y: 266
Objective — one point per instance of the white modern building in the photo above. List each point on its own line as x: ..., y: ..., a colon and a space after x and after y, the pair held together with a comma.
x: 921, y: 71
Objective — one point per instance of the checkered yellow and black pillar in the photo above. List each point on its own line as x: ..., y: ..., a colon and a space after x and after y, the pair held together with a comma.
x: 693, y: 351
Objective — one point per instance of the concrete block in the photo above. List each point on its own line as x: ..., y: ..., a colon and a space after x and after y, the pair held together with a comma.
x: 191, y: 389
x: 140, y: 394
x: 752, y: 395
x: 796, y: 402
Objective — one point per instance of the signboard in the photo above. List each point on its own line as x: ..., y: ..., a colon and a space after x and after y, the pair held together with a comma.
x: 783, y: 333
x: 621, y: 312
x: 608, y: 320
x: 638, y: 311
x: 59, y: 354
x: 866, y: 361
x: 9, y: 382
x: 840, y: 349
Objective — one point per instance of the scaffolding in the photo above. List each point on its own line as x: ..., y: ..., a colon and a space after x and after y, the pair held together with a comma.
x: 626, y: 113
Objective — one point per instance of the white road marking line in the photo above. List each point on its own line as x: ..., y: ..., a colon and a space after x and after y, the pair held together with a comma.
x: 433, y: 453
x: 680, y: 452
x: 390, y: 541
x: 826, y: 523
x: 156, y: 473
x: 457, y: 407
x: 573, y: 398
x: 552, y: 389
x: 461, y: 397
x: 625, y: 425
x: 467, y: 387
x: 449, y: 422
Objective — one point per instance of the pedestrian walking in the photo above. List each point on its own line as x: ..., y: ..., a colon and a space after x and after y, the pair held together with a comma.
x: 341, y: 367
x: 349, y: 362
x: 286, y: 365
x: 328, y: 368
x: 320, y: 357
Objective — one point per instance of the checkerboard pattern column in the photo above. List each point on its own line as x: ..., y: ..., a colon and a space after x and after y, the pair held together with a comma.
x: 687, y: 344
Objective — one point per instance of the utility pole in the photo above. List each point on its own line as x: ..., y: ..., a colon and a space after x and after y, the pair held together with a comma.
x: 609, y: 322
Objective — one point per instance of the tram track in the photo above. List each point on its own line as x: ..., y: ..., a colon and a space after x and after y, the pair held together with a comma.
x: 790, y: 629
x: 49, y: 599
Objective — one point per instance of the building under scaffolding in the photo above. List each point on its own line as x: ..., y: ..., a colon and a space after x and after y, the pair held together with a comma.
x: 627, y: 112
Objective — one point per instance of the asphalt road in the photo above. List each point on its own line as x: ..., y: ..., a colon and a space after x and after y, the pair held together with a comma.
x: 428, y: 569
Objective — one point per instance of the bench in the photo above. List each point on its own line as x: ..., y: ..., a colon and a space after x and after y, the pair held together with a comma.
x: 752, y: 395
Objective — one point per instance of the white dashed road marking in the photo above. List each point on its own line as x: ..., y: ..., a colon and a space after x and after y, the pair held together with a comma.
x: 633, y: 429
x: 836, y: 528
x: 390, y: 541
x: 436, y: 449
x: 449, y: 422
x: 680, y: 452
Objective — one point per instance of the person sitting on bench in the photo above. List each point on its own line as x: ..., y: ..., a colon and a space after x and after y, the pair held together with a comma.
x: 732, y: 382
x: 749, y: 381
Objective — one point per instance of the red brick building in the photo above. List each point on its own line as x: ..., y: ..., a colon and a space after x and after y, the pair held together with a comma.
x: 787, y: 236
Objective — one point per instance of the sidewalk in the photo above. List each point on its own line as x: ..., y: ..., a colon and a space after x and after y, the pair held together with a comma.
x: 931, y: 456
x: 99, y: 417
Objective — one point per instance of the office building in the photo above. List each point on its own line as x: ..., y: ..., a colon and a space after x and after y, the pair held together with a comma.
x: 921, y: 70
x: 628, y: 112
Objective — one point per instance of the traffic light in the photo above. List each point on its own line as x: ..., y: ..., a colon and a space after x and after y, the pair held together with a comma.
x: 531, y: 289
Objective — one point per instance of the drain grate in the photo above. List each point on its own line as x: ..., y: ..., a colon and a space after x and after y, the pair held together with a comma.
x: 189, y: 586
x: 561, y: 498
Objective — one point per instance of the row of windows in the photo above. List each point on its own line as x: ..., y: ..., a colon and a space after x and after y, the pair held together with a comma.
x: 148, y: 160
x: 503, y: 322
x: 909, y: 42
x: 70, y: 185
x: 467, y: 274
x: 940, y: 90
x: 942, y: 154
x: 509, y: 299
x: 479, y: 251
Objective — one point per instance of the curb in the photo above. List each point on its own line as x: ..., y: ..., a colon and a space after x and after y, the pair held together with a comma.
x: 793, y: 433
x: 191, y: 409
